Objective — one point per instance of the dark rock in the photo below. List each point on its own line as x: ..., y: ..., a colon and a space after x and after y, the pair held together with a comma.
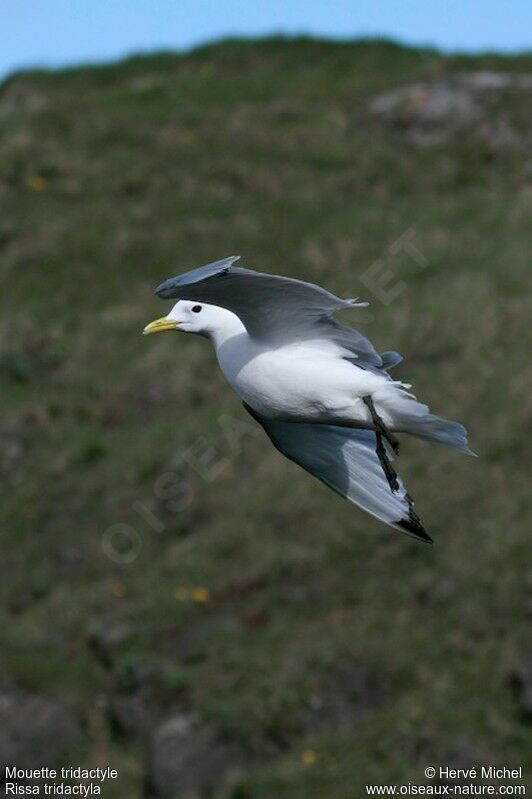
x: 35, y: 730
x: 187, y: 758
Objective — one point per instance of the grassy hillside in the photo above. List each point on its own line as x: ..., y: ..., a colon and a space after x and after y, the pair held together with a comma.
x: 159, y: 559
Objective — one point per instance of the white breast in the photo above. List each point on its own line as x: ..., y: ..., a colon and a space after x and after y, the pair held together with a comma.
x: 297, y: 381
x: 260, y: 376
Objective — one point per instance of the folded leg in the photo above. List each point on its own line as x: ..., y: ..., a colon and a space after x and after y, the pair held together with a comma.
x: 380, y: 427
x: 387, y: 468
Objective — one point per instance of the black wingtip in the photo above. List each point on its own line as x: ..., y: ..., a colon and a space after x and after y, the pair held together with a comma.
x: 413, y: 526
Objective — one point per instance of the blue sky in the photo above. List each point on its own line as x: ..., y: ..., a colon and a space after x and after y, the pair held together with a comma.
x: 60, y: 32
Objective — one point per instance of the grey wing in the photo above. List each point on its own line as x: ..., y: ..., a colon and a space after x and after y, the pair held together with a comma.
x: 345, y: 460
x: 273, y: 307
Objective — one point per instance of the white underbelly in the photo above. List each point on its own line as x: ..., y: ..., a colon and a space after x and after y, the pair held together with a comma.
x: 300, y: 385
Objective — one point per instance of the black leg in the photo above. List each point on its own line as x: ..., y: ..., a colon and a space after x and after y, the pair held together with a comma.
x: 380, y: 427
x: 387, y: 468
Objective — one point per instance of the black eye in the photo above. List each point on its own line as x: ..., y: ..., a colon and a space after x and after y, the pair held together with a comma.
x: 196, y: 308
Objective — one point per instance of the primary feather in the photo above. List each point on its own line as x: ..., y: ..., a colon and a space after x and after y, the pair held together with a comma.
x: 345, y: 460
x: 273, y: 308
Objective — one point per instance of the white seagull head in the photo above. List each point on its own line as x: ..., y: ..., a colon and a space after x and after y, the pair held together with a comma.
x: 197, y: 317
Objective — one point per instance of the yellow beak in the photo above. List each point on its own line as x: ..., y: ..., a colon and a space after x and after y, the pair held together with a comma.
x: 158, y: 325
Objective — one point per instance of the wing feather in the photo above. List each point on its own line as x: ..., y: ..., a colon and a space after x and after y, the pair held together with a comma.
x: 272, y: 307
x: 345, y: 460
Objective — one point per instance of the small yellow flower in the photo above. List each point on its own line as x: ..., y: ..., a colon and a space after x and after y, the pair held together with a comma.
x: 181, y: 594
x: 119, y: 590
x: 37, y: 182
x: 201, y: 594
x: 309, y: 757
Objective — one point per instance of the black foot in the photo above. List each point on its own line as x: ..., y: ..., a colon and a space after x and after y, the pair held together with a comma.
x: 387, y: 468
x: 380, y: 427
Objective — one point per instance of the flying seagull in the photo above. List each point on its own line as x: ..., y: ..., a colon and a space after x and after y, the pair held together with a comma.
x: 320, y: 390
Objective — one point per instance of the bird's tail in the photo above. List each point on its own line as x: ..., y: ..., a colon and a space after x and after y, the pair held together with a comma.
x: 407, y: 415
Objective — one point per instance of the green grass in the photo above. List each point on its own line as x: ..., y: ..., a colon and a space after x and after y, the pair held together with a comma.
x: 112, y: 179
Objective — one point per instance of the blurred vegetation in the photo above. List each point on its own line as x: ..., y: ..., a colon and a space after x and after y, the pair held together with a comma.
x: 255, y: 590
